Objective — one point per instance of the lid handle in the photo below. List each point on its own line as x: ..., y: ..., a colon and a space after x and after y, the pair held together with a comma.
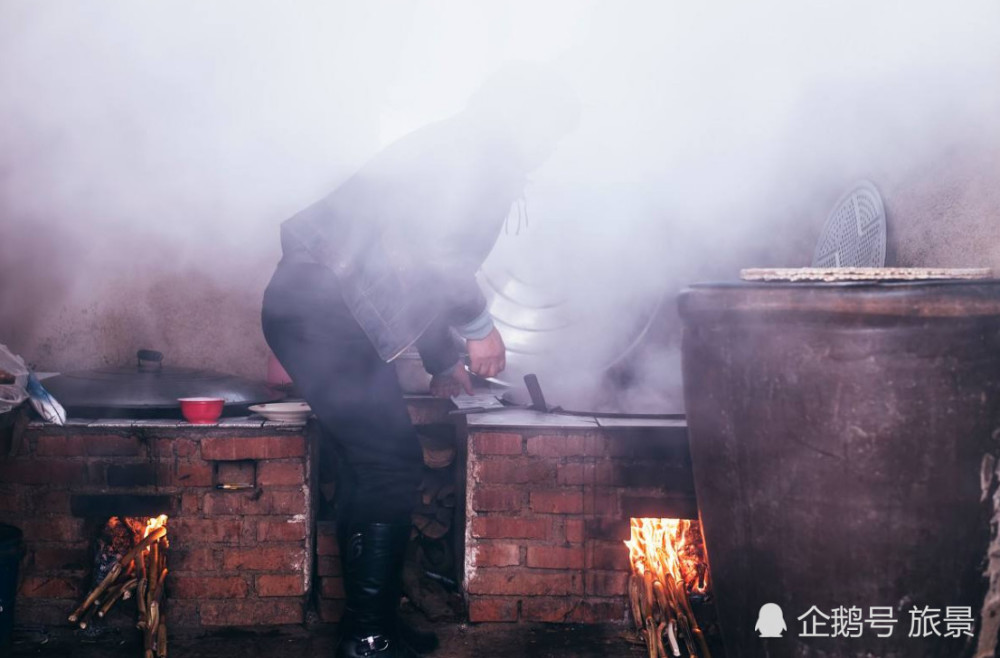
x: 149, y: 355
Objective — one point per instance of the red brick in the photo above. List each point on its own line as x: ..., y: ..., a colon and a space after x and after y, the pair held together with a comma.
x: 574, y: 530
x: 514, y: 470
x: 185, y: 474
x: 331, y: 588
x: 609, y: 555
x: 327, y: 545
x: 576, y: 473
x: 485, y: 609
x: 50, y: 502
x: 280, y: 530
x: 52, y: 587
x: 37, y: 471
x: 498, y: 499
x: 282, y: 502
x: 598, y: 611
x: 611, y: 529
x: 555, y: 557
x: 290, y: 585
x: 55, y: 528
x: 530, y: 582
x: 50, y: 612
x: 231, y: 448
x: 499, y: 527
x: 190, y: 503
x: 191, y: 532
x: 54, y: 445
x: 563, y: 445
x: 10, y: 502
x: 162, y: 448
x: 60, y: 558
x: 573, y: 610
x: 331, y: 610
x: 272, y: 611
x: 201, y: 558
x: 268, y: 558
x: 497, y: 443
x: 185, y: 448
x: 557, y: 502
x: 601, y: 501
x: 223, y: 503
x: 606, y: 583
x: 280, y: 473
x: 183, y: 614
x: 286, y: 502
x: 111, y: 445
x: 328, y: 566
x: 547, y: 609
x: 208, y: 587
x: 495, y: 554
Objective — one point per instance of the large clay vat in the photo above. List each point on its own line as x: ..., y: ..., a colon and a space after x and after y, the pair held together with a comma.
x: 838, y: 433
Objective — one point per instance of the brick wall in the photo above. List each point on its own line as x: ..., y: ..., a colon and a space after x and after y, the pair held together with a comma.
x: 237, y: 558
x: 547, y: 511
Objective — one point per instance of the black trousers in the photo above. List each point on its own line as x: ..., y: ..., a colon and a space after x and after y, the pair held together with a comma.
x: 354, y: 394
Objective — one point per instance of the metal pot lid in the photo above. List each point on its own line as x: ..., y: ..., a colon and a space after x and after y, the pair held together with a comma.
x: 149, y: 385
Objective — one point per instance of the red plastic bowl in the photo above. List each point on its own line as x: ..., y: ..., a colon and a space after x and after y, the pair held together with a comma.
x: 201, y: 411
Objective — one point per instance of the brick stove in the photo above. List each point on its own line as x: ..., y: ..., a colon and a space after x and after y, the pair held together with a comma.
x: 548, y: 506
x: 547, y: 502
x: 237, y: 558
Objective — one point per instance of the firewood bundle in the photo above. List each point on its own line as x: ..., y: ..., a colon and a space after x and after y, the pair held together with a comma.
x: 139, y: 573
x: 663, y: 616
x: 667, y: 556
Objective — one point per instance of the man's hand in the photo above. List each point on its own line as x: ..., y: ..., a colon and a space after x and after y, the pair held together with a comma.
x: 451, y: 383
x: 488, y: 356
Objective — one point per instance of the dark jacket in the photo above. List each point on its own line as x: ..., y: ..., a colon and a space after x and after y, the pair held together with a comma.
x: 406, y: 234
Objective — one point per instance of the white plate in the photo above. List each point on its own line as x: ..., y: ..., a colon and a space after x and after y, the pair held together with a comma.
x: 283, y: 412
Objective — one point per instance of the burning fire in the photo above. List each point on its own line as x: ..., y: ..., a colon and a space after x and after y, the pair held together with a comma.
x: 670, y: 546
x: 668, y: 566
x: 153, y: 523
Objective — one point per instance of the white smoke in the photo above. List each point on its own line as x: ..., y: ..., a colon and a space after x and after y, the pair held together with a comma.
x: 148, y: 151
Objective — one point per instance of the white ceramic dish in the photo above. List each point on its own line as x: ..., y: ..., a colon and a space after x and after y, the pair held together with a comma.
x: 283, y: 412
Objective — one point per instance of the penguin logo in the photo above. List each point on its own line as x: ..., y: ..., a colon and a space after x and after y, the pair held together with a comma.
x: 771, y: 621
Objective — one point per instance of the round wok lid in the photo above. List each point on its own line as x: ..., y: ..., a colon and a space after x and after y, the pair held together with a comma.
x: 151, y: 386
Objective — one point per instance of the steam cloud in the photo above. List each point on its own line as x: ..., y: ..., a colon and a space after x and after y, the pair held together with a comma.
x: 148, y: 152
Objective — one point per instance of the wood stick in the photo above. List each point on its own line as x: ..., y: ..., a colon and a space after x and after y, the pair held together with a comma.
x: 647, y: 582
x: 140, y: 600
x: 85, y: 617
x: 660, y: 649
x: 114, y: 594
x: 651, y: 638
x: 161, y: 640
x: 672, y: 638
x: 633, y: 597
x: 661, y: 599
x: 154, y: 536
x: 116, y: 571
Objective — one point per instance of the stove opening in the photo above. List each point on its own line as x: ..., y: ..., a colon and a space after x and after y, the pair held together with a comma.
x: 128, y: 578
x: 670, y: 588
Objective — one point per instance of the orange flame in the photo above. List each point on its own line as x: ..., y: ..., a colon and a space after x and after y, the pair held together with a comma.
x: 153, y: 523
x: 671, y: 547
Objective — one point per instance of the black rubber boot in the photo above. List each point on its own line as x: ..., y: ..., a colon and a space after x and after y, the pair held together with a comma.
x: 373, y: 574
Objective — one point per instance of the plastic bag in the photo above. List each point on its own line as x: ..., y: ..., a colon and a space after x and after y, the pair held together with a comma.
x: 18, y: 383
x: 13, y: 380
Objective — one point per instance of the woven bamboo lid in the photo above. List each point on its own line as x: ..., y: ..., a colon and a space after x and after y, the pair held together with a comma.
x: 845, y: 274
